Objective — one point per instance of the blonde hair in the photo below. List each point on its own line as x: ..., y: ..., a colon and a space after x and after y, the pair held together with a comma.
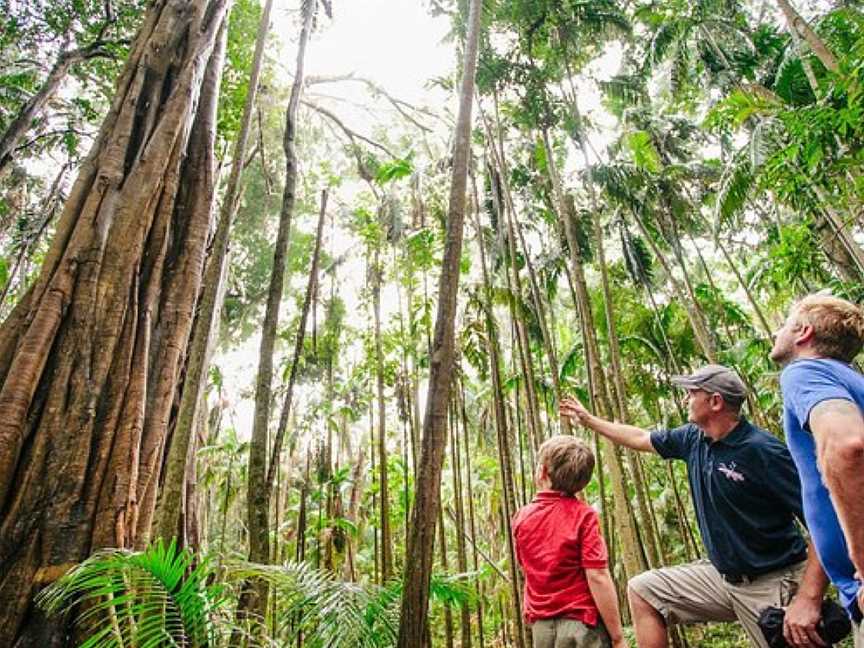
x: 838, y: 325
x: 569, y: 463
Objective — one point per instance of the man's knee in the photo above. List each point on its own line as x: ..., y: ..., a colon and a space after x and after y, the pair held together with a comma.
x: 636, y: 597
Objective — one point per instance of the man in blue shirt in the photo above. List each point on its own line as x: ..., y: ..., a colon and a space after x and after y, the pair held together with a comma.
x: 746, y: 495
x: 823, y: 414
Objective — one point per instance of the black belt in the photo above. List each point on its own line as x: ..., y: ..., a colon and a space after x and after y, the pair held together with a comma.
x: 738, y: 579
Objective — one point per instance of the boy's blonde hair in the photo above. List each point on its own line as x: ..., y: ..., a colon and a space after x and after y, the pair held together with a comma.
x: 569, y: 463
x: 838, y: 325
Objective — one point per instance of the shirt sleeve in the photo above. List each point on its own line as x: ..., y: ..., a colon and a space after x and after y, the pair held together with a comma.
x: 594, y: 554
x: 782, y: 479
x: 805, y: 385
x: 514, y: 529
x: 673, y: 444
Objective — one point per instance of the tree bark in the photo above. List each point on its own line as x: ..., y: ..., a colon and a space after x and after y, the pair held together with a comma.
x: 415, y: 598
x: 311, y: 287
x: 505, y: 454
x: 799, y: 25
x: 88, y: 382
x: 258, y: 500
x: 632, y: 558
x: 459, y: 517
x: 210, y: 303
x: 384, y: 490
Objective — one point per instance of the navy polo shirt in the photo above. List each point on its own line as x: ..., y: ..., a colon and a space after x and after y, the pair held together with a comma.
x: 746, y: 493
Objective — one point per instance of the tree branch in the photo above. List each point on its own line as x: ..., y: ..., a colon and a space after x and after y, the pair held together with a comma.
x: 399, y: 104
x: 352, y: 135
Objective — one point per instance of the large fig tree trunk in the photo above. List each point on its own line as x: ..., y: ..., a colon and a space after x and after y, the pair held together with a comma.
x: 89, y: 358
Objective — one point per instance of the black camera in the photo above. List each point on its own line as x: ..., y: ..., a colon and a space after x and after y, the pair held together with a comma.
x: 832, y: 628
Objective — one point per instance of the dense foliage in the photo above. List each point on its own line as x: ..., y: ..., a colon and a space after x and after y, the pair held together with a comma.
x: 651, y: 184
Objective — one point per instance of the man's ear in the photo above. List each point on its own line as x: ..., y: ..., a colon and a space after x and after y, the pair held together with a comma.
x: 805, y: 334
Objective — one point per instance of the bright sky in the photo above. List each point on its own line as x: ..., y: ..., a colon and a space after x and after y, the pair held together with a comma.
x: 398, y: 45
x: 395, y: 43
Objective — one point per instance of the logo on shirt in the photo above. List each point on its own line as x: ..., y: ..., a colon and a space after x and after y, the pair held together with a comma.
x: 729, y: 472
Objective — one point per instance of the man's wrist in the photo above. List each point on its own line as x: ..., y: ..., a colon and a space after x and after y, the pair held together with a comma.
x: 807, y: 595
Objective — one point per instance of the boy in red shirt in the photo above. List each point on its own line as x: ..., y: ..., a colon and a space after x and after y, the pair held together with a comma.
x: 568, y: 589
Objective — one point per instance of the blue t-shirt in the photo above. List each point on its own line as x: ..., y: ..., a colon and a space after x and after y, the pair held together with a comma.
x: 746, y: 495
x: 806, y: 383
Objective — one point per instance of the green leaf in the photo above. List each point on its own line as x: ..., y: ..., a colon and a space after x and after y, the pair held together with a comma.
x: 642, y: 150
x: 394, y: 170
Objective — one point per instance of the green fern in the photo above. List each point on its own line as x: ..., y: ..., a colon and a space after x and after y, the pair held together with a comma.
x: 159, y: 597
x: 737, y: 182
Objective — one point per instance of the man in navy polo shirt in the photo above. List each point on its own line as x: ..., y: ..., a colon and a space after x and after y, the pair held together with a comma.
x: 746, y: 495
x: 823, y: 414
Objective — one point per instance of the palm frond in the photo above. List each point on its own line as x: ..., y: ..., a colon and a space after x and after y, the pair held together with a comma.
x: 636, y: 257
x: 665, y: 40
x: 159, y: 597
x: 736, y: 183
x: 790, y: 82
x: 765, y: 141
x: 329, y: 613
x: 625, y: 90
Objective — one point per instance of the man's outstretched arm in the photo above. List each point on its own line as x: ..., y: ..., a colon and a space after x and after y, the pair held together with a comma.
x: 629, y: 436
x: 838, y: 428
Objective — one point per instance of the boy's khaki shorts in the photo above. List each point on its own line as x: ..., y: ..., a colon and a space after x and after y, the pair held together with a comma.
x: 568, y: 633
x: 696, y: 593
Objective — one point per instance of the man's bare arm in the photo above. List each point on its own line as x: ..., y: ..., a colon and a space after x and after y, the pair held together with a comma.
x: 629, y: 436
x: 838, y: 428
x: 805, y: 608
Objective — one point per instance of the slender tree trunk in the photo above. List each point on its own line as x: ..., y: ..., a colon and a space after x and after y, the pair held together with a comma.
x: 650, y: 530
x: 442, y: 554
x: 415, y: 597
x: 49, y: 207
x: 513, y: 224
x: 383, y: 488
x: 600, y: 399
x: 210, y: 303
x: 703, y: 337
x: 86, y: 384
x: 376, y: 563
x: 799, y: 25
x: 303, y: 514
x: 311, y: 288
x: 649, y: 535
x: 11, y: 138
x: 472, y: 526
x: 505, y: 454
x: 459, y: 517
x: 349, y: 571
x: 258, y: 500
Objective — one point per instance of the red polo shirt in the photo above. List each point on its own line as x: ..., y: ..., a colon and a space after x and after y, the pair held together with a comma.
x: 557, y: 538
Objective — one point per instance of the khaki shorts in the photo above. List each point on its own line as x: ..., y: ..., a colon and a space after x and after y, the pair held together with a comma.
x: 696, y: 593
x: 858, y: 634
x: 568, y: 633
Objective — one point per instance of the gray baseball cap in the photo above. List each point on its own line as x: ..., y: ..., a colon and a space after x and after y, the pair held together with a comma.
x: 716, y: 379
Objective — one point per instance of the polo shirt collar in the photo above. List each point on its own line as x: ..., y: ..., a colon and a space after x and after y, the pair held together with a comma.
x: 737, y: 436
x: 549, y: 495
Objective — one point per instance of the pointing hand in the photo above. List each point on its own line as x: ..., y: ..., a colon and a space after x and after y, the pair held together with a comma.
x: 573, y: 409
